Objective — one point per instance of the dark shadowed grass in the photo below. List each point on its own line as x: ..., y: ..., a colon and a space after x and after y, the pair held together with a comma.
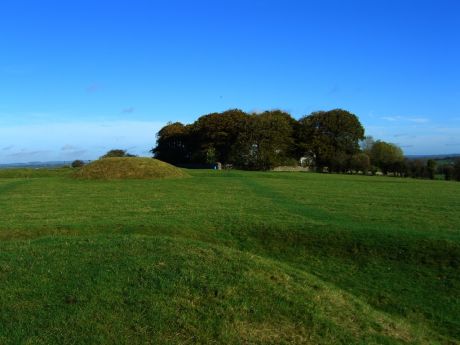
x: 172, y: 291
x: 230, y: 257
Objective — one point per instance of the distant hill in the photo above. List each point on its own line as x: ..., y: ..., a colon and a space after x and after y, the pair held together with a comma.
x: 449, y: 156
x: 51, y: 164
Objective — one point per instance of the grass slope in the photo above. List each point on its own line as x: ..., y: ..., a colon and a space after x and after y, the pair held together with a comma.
x: 230, y: 258
x: 129, y: 168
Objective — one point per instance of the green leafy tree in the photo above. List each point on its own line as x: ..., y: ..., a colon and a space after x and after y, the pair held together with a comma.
x: 339, y: 162
x: 360, y: 162
x: 366, y: 144
x: 77, y: 163
x: 218, y: 131
x: 457, y: 170
x: 265, y: 142
x: 431, y: 168
x: 386, y: 156
x: 415, y: 168
x: 326, y: 135
x: 173, y: 144
x: 211, y: 155
x: 448, y: 171
x: 117, y: 153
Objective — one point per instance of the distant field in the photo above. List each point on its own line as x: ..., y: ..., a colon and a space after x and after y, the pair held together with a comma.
x: 228, y: 257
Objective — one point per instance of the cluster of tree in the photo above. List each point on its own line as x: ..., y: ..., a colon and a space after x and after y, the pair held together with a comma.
x: 78, y: 163
x: 326, y: 139
x: 450, y: 170
x: 117, y: 153
x: 420, y: 168
x: 331, y: 141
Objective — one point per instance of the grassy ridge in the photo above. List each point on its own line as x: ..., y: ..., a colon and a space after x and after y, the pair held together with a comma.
x: 389, y: 248
x: 129, y: 168
x: 174, y: 291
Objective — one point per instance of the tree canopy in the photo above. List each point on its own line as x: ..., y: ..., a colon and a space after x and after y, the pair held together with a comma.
x: 386, y: 156
x: 117, y: 153
x: 265, y: 140
x: 330, y: 136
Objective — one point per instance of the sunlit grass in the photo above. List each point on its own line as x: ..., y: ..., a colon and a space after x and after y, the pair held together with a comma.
x: 229, y: 257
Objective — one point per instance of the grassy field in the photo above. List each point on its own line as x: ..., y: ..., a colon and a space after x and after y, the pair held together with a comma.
x: 228, y: 258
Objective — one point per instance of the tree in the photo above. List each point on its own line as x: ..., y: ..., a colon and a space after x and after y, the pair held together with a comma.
x: 448, y: 171
x: 265, y: 142
x: 457, y: 169
x: 339, y: 162
x: 173, y: 144
x: 77, y: 163
x: 360, y: 162
x: 117, y: 153
x: 415, y: 167
x: 386, y: 156
x: 366, y: 144
x: 431, y: 168
x: 326, y: 135
x: 211, y: 155
x: 216, y: 132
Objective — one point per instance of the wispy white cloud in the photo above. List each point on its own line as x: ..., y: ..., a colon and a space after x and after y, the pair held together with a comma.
x: 129, y: 110
x: 418, y: 120
x: 68, y: 147
x: 89, y: 140
x: 414, y: 138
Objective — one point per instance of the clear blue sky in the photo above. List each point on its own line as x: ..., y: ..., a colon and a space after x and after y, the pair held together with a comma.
x: 79, y: 77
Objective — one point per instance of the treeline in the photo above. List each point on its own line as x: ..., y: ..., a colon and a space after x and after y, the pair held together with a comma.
x: 331, y: 141
x: 420, y: 168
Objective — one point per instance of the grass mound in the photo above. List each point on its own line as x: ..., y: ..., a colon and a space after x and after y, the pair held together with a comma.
x: 126, y: 289
x: 129, y: 167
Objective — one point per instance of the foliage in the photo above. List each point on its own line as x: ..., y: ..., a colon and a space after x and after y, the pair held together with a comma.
x: 265, y: 142
x: 386, y: 156
x: 117, y: 153
x: 332, y: 141
x: 262, y: 141
x: 431, y: 168
x: 457, y: 170
x: 172, y: 144
x: 360, y: 162
x: 211, y: 155
x: 217, y: 131
x: 77, y: 163
x: 366, y: 144
x: 330, y: 136
x: 448, y: 171
x: 416, y: 168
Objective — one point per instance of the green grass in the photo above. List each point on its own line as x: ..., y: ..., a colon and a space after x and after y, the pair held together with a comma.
x: 129, y: 168
x: 34, y: 173
x: 229, y: 258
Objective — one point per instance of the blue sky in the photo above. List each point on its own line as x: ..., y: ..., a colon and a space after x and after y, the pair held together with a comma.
x: 80, y: 77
